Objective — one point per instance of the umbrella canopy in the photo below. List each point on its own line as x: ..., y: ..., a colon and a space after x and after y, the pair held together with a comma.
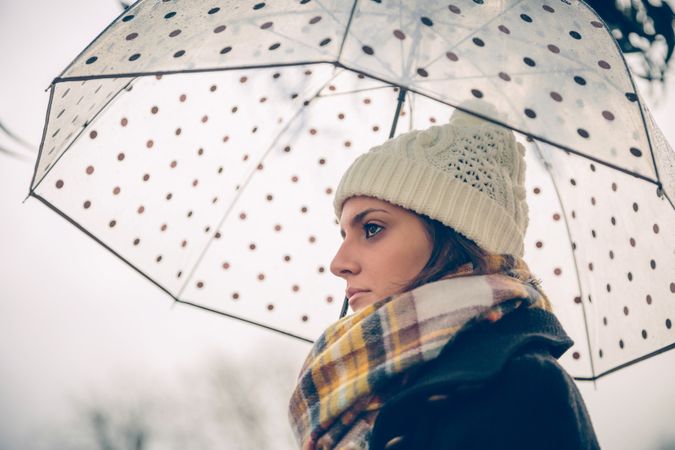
x: 201, y: 143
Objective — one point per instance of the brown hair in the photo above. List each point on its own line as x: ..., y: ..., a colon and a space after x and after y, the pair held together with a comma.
x: 450, y: 250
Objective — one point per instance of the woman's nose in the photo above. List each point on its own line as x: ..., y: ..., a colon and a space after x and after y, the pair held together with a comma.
x: 343, y: 263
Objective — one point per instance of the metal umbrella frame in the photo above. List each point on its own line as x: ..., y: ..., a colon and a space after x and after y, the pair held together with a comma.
x: 201, y: 142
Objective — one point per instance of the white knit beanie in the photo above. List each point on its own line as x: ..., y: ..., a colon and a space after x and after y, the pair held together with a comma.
x: 468, y: 174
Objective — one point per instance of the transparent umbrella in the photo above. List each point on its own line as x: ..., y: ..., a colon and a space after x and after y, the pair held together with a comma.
x: 201, y: 143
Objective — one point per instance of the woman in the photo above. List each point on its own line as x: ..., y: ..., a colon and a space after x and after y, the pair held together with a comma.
x: 453, y: 343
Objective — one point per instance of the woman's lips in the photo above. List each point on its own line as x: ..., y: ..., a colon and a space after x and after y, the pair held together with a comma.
x: 356, y: 296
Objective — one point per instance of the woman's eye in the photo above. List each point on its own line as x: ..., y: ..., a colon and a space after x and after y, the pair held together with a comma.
x: 372, y: 229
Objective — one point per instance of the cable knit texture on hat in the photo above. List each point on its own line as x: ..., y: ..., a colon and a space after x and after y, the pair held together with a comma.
x: 468, y: 174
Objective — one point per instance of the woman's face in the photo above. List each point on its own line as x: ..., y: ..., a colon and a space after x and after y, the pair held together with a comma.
x: 384, y: 247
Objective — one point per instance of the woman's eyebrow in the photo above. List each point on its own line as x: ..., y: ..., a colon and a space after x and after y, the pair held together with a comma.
x: 359, y: 218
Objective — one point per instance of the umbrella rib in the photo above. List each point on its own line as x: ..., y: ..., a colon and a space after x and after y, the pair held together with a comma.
x: 574, y: 259
x: 639, y: 102
x: 252, y: 322
x: 629, y: 363
x: 244, y: 184
x: 356, y: 91
x: 349, y: 24
x: 42, y: 141
x: 202, y: 70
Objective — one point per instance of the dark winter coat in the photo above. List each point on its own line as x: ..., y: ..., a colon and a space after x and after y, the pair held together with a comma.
x: 496, y: 386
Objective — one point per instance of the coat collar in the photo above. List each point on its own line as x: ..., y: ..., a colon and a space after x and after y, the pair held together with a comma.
x: 474, y: 356
x: 481, y: 351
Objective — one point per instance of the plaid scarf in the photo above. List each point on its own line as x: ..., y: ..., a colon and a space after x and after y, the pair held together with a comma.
x: 365, y: 358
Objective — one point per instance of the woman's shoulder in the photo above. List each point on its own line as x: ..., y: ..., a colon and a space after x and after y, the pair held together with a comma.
x: 491, y: 389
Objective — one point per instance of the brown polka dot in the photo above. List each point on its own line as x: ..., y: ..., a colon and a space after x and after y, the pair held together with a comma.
x: 93, y: 134
x: 576, y: 355
x: 556, y: 216
x: 648, y: 299
x: 294, y: 178
x: 169, y: 196
x: 305, y: 318
x: 614, y: 187
x: 235, y: 295
x: 242, y: 216
x: 59, y: 184
x: 183, y: 243
x: 261, y: 276
x: 173, y: 164
x: 577, y: 299
x: 226, y: 265
x: 303, y: 209
x: 295, y: 288
x: 321, y: 269
x: 87, y: 204
x: 260, y: 167
x: 270, y: 307
x: 141, y: 209
x: 178, y: 131
x: 632, y: 242
x: 219, y: 29
x: 182, y: 98
x: 341, y: 116
x: 312, y: 239
x: 200, y: 284
x: 159, y: 258
x: 277, y: 227
x: 195, y: 182
x: 287, y: 258
x: 124, y: 121
x: 205, y: 118
x: 150, y: 143
x: 163, y: 227
x: 348, y: 144
x: 539, y: 244
x: 655, y: 228
x: 252, y: 246
x: 557, y: 271
x: 112, y: 223
x: 120, y: 156
x: 625, y: 310
x: 154, y: 110
x: 269, y: 197
x: 329, y: 190
x: 322, y: 161
x: 116, y: 190
x: 137, y: 241
x: 179, y: 274
x: 452, y: 56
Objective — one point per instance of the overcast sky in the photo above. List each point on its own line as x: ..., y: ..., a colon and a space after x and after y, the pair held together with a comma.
x: 72, y: 316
